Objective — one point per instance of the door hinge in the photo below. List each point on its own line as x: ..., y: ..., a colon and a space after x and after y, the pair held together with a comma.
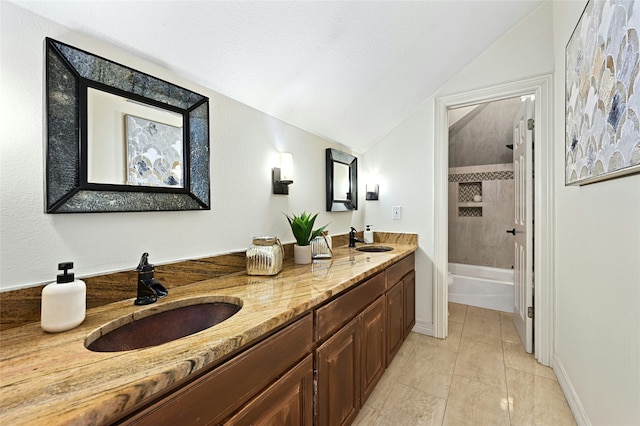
x: 531, y: 123
x: 530, y: 312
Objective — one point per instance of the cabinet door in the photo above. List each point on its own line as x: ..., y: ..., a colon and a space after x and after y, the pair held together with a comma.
x: 395, y: 320
x: 373, y: 347
x: 409, y: 283
x: 287, y: 402
x: 338, y: 366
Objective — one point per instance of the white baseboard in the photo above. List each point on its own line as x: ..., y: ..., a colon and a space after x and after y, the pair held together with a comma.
x: 423, y: 327
x: 578, y: 411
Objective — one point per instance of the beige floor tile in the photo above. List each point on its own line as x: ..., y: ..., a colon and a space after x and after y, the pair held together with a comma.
x: 515, y: 357
x: 401, y: 356
x: 506, y: 316
x: 400, y: 359
x: 415, y: 341
x: 420, y: 339
x: 383, y: 389
x: 471, y: 365
x: 481, y: 329
x: 457, y: 313
x: 481, y: 362
x: 407, y: 348
x: 508, y: 328
x: 429, y: 370
x: 408, y: 406
x: 475, y: 403
x: 452, y: 342
x: 474, y: 311
x: 536, y: 400
x: 367, y: 416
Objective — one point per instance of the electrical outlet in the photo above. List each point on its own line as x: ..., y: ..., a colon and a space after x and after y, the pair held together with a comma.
x: 396, y: 212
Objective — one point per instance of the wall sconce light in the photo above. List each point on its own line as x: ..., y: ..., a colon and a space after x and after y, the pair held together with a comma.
x: 372, y: 191
x: 282, y: 176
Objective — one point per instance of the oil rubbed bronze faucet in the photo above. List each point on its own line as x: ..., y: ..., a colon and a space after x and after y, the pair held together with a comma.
x: 352, y: 238
x: 149, y: 289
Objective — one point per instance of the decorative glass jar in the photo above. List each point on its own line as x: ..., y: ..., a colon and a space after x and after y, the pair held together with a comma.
x: 321, y: 246
x: 264, y: 257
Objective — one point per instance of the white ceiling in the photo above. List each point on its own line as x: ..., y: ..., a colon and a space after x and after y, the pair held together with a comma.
x: 344, y: 70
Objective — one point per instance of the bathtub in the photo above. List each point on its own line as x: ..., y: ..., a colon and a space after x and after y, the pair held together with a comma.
x: 482, y: 286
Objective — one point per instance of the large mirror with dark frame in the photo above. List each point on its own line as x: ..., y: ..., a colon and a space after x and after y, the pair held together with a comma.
x: 119, y: 140
x: 342, y: 181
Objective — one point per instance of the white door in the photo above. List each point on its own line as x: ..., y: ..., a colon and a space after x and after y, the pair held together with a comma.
x: 523, y: 230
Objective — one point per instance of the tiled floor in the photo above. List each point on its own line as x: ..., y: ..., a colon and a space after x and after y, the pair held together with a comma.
x: 479, y: 375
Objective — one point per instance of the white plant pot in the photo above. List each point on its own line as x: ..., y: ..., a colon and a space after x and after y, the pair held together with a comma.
x: 302, y: 254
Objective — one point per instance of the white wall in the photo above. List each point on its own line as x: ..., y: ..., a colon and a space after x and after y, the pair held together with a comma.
x: 403, y: 161
x: 402, y: 164
x: 597, y: 273
x: 244, y: 146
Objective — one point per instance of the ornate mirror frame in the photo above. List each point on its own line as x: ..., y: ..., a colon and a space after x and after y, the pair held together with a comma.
x: 69, y: 74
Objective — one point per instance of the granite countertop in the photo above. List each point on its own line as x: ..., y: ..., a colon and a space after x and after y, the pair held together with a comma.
x: 53, y: 379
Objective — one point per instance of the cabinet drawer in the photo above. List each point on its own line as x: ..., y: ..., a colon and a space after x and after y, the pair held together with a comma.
x: 336, y: 313
x: 218, y: 393
x: 398, y: 270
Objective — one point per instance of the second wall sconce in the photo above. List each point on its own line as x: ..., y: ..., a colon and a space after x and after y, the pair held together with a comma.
x: 282, y: 176
x: 372, y: 191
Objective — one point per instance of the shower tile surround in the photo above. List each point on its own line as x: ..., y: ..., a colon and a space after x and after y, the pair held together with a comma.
x: 481, y: 139
x: 477, y: 230
x: 466, y: 193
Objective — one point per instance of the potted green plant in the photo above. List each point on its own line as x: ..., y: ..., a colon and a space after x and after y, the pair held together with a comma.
x: 303, y: 232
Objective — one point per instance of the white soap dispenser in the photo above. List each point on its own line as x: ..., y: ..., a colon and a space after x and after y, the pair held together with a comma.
x: 368, y: 235
x: 64, y: 302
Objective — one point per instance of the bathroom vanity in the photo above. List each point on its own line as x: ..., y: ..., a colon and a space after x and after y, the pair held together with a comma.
x: 323, y: 332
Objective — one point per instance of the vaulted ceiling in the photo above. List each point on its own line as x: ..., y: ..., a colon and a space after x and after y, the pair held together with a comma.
x: 348, y: 71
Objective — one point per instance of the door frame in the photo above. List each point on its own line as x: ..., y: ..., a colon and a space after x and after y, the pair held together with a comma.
x: 544, y: 224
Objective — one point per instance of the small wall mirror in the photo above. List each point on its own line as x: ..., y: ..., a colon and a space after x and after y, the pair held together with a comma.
x: 121, y: 140
x: 342, y: 181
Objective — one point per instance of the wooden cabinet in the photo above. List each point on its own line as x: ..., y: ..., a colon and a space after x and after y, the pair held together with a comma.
x: 397, y: 271
x: 216, y: 395
x: 288, y: 402
x: 373, y: 358
x: 342, y: 309
x: 349, y: 365
x: 401, y: 304
x: 279, y: 381
x: 352, y: 359
x: 395, y: 320
x: 337, y: 365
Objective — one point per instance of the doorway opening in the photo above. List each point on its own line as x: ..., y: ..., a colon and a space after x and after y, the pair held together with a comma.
x: 542, y: 218
x: 490, y: 204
